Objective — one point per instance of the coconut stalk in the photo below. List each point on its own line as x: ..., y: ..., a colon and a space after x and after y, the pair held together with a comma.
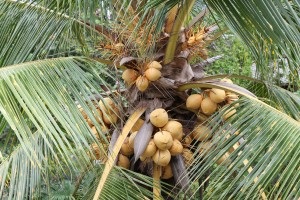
x: 156, y: 182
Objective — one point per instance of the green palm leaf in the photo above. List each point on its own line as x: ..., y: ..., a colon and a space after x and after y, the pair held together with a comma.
x: 268, y: 144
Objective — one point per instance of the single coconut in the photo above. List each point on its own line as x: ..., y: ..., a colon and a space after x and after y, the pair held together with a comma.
x: 208, y: 107
x: 107, y: 105
x: 159, y: 117
x: 228, y: 114
x: 193, y: 102
x: 126, y: 149
x: 142, y: 83
x: 150, y: 149
x: 204, y: 147
x: 163, y: 140
x: 187, y: 141
x: 152, y: 74
x: 138, y: 124
x: 131, y: 139
x: 143, y: 158
x: 176, y: 148
x: 166, y: 172
x: 223, y: 160
x: 110, y: 118
x: 98, y: 116
x: 217, y: 95
x: 201, y: 132
x: 226, y: 80
x: 123, y: 161
x: 187, y: 157
x: 162, y: 157
x: 175, y: 128
x: 155, y: 64
x: 129, y: 76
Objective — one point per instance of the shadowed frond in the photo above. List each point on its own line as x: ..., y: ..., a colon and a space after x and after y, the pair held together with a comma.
x: 256, y: 152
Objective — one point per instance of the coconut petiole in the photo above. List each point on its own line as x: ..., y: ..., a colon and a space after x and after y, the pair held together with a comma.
x: 156, y: 182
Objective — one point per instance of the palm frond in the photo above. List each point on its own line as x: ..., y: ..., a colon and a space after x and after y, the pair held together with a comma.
x: 126, y: 184
x: 281, y: 99
x: 268, y: 28
x: 264, y: 164
x: 30, y: 32
x: 41, y: 96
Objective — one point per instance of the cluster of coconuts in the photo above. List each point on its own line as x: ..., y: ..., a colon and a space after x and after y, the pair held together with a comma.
x: 211, y: 100
x: 152, y: 73
x: 106, y: 114
x: 207, y: 103
x: 166, y: 142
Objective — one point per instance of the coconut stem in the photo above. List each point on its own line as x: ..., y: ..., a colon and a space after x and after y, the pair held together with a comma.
x: 156, y: 181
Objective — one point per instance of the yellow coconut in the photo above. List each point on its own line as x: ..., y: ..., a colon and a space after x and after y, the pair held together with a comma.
x: 110, y: 118
x: 228, y: 114
x: 126, y: 149
x: 162, y: 157
x: 107, y: 105
x: 187, y: 141
x: 166, y: 172
x: 143, y: 158
x: 142, y: 83
x: 217, y: 95
x: 159, y: 117
x: 98, y: 116
x: 204, y: 147
x: 152, y: 74
x: 201, y: 133
x: 175, y: 128
x: 163, y: 140
x: 123, y: 161
x: 223, y: 160
x: 150, y: 149
x: 138, y: 124
x: 129, y: 76
x: 193, y: 102
x: 176, y: 148
x: 226, y: 80
x: 155, y: 64
x: 187, y: 157
x: 208, y: 107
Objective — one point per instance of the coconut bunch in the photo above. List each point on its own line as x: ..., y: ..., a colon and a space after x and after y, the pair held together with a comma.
x: 106, y: 114
x: 142, y: 80
x: 209, y: 101
x: 166, y: 141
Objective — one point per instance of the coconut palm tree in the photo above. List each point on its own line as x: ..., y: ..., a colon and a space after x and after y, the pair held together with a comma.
x: 78, y: 78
